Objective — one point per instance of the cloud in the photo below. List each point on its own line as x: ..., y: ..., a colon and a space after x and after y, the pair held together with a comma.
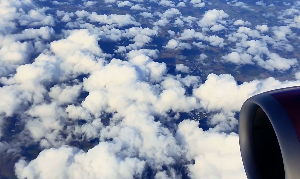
x: 172, y: 44
x: 197, y: 3
x: 241, y: 23
x: 236, y: 58
x: 62, y: 88
x: 14, y: 55
x: 138, y: 7
x: 240, y: 4
x: 36, y: 17
x: 212, y: 17
x: 262, y: 28
x: 146, y: 14
x: 181, y: 4
x: 217, y: 27
x: 119, y: 20
x: 89, y: 3
x: 260, y: 3
x: 211, y: 152
x: 65, y: 94
x: 182, y: 68
x: 10, y: 11
x: 99, y: 162
x: 229, y: 96
x: 281, y: 32
x: 171, y: 13
x: 259, y: 49
x: 124, y: 3
x: 166, y: 3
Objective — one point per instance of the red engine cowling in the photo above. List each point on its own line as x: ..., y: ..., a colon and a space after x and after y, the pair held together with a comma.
x: 269, y: 131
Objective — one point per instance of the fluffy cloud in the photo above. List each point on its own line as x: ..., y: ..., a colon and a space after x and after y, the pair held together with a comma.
x: 182, y: 68
x: 197, y: 3
x: 211, y: 160
x: 119, y: 20
x: 89, y: 3
x: 212, y: 17
x: 262, y: 28
x: 171, y: 13
x: 241, y: 23
x: 235, y: 57
x: 223, y: 93
x: 10, y: 10
x: 259, y: 50
x: 172, y: 44
x: 64, y: 91
x: 99, y: 162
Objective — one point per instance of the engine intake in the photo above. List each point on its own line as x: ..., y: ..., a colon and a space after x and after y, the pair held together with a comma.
x: 269, y: 131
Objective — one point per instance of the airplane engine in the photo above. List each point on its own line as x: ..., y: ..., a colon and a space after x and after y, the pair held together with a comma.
x: 269, y: 131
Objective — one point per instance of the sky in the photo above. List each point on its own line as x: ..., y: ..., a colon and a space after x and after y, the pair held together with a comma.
x: 77, y: 71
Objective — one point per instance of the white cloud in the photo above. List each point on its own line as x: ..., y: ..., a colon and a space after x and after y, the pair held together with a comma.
x: 241, y: 23
x: 64, y: 89
x: 124, y: 3
x: 89, y: 3
x: 146, y: 14
x: 181, y: 4
x: 171, y: 13
x: 10, y: 11
x: 167, y: 3
x: 172, y: 44
x: 99, y: 162
x: 197, y: 3
x: 37, y: 17
x: 241, y: 4
x: 260, y: 3
x: 211, y: 152
x: 217, y: 27
x: 138, y: 7
x: 259, y: 48
x: 274, y: 61
x: 281, y: 32
x: 212, y: 17
x: 235, y: 57
x: 182, y: 68
x: 119, y: 20
x: 222, y: 92
x: 262, y: 28
x: 13, y: 55
x: 65, y: 94
x: 297, y: 75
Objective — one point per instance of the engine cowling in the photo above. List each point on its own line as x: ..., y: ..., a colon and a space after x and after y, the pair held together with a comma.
x: 269, y: 131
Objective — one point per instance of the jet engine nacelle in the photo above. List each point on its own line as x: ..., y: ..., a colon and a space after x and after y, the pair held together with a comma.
x: 269, y: 131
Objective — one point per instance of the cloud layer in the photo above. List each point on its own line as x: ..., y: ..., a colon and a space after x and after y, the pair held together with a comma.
x: 136, y: 92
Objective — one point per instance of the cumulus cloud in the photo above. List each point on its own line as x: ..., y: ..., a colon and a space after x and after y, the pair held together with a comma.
x: 124, y: 3
x: 235, y: 57
x: 259, y: 50
x: 241, y: 23
x: 10, y: 12
x: 211, y: 160
x: 166, y: 3
x: 172, y: 44
x: 89, y: 3
x: 171, y: 13
x: 223, y: 93
x: 197, y: 3
x: 240, y: 4
x: 262, y: 28
x: 99, y: 162
x: 212, y: 17
x: 182, y: 68
x: 96, y: 77
x: 119, y: 20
